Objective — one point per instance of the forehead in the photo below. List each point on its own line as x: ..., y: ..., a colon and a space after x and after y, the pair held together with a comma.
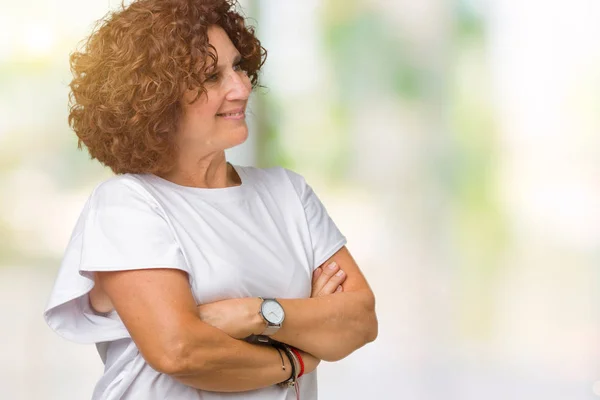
x: 226, y: 51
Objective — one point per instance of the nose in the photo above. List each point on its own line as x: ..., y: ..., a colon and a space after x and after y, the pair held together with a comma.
x: 238, y: 86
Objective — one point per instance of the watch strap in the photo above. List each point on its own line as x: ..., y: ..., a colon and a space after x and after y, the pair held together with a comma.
x: 271, y: 330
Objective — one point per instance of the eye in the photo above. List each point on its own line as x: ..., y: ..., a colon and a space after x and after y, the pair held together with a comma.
x: 212, y: 78
x: 238, y: 67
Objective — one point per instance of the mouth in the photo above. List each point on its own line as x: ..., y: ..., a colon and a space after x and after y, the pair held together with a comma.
x: 233, y: 114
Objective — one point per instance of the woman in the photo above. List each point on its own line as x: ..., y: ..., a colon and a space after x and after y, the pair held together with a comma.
x: 181, y: 259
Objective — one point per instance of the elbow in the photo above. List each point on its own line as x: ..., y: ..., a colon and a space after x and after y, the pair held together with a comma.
x: 166, y: 366
x: 334, y: 357
x: 179, y: 348
x: 334, y: 354
x: 169, y: 360
x: 366, y: 332
x: 370, y: 323
x: 173, y: 360
x: 372, y: 329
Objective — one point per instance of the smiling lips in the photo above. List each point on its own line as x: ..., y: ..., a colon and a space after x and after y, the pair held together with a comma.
x: 233, y: 114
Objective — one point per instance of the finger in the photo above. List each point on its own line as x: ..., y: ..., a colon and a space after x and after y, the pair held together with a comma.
x: 327, y: 273
x: 339, y: 289
x: 333, y: 283
x: 316, y: 274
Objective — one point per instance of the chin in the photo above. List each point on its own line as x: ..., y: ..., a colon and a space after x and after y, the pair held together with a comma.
x: 238, y: 137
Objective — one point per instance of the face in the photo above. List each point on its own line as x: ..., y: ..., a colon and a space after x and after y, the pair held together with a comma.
x: 216, y: 120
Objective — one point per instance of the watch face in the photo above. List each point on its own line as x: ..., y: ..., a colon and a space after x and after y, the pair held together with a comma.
x: 272, y: 311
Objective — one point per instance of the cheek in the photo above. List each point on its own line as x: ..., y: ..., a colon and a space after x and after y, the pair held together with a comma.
x: 212, y: 106
x: 206, y: 106
x: 247, y: 82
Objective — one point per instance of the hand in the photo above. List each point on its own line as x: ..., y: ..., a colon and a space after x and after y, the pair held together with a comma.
x: 238, y: 318
x: 327, y: 280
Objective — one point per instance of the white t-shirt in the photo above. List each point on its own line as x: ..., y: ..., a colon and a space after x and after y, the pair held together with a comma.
x: 262, y: 238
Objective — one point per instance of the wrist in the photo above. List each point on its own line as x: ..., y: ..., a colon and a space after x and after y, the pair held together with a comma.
x: 255, y: 320
x: 273, y: 315
x: 310, y: 362
x: 293, y: 362
x: 300, y: 361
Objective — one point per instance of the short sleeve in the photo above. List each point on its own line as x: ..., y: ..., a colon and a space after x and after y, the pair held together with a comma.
x: 121, y: 228
x: 325, y: 236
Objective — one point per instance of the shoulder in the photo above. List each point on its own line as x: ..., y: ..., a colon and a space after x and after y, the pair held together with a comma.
x: 122, y: 187
x: 122, y: 190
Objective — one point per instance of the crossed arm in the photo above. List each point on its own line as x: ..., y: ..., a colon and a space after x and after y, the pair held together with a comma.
x: 200, y: 346
x: 329, y: 325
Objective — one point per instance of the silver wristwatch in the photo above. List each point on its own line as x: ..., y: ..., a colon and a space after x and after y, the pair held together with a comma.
x: 272, y: 312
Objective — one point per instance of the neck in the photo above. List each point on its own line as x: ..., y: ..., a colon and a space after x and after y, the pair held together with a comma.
x: 211, y: 172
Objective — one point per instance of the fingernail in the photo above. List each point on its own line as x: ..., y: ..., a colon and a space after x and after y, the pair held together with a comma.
x: 332, y: 265
x: 339, y: 288
x: 317, y: 271
x: 339, y: 273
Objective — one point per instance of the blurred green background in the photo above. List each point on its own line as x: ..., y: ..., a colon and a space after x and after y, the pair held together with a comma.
x: 455, y: 143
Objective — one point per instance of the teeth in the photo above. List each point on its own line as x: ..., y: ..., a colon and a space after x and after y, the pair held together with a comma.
x: 232, y: 114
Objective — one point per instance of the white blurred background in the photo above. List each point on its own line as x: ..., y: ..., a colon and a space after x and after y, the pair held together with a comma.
x: 455, y: 143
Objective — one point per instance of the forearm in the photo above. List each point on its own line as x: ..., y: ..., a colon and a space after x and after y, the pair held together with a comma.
x: 329, y: 327
x: 217, y: 362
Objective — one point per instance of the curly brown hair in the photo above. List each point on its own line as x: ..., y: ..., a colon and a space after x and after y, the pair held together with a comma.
x: 129, y: 79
